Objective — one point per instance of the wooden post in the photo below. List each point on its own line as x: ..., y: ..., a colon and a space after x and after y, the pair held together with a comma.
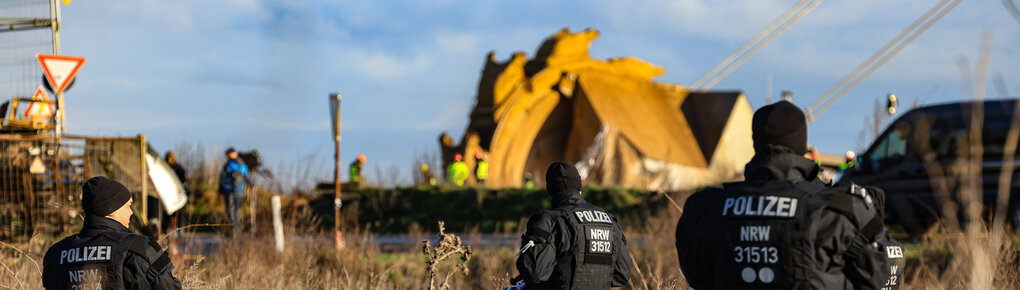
x: 334, y: 102
x: 144, y: 179
x: 57, y: 181
x: 252, y: 202
x: 337, y: 236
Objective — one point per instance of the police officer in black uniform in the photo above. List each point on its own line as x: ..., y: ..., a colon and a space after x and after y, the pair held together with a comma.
x: 782, y: 228
x: 576, y: 245
x: 105, y: 254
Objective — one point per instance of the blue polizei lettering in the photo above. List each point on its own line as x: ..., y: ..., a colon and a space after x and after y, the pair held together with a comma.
x: 85, y: 254
x: 760, y: 206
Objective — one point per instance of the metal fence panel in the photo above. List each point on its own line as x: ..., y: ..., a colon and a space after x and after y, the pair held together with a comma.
x: 20, y: 73
x: 41, y: 179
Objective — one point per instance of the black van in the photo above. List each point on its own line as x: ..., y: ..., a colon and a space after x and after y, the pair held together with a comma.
x: 896, y: 163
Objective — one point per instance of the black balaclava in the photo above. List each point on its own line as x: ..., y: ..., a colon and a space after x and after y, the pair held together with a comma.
x: 562, y: 176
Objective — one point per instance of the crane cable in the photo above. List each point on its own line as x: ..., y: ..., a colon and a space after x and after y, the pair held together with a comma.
x: 757, y: 42
x: 880, y: 57
x: 761, y: 45
x: 879, y: 53
x: 729, y: 59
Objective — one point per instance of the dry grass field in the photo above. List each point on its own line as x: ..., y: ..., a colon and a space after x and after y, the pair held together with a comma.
x: 939, y: 261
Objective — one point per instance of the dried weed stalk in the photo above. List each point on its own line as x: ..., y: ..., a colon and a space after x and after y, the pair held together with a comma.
x: 448, y: 245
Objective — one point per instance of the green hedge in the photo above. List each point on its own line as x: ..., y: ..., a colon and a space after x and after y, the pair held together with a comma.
x: 487, y: 210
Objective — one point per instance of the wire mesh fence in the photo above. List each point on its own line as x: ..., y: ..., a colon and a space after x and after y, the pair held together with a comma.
x: 41, y: 179
x: 24, y: 32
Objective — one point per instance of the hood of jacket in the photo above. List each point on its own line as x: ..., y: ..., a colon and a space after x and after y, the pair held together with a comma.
x: 565, y: 197
x: 96, y: 224
x: 779, y: 163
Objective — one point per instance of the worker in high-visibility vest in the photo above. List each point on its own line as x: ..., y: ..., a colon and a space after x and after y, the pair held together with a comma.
x: 355, y: 170
x: 481, y: 168
x: 850, y: 158
x: 528, y: 183
x: 458, y: 170
x: 813, y: 155
x: 427, y: 176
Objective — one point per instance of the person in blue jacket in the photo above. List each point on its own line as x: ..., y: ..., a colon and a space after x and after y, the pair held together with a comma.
x: 233, y: 179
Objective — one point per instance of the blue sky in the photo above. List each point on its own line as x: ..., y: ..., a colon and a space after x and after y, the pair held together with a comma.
x: 256, y: 74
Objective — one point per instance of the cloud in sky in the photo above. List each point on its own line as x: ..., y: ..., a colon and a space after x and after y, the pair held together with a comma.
x: 255, y: 74
x: 384, y: 66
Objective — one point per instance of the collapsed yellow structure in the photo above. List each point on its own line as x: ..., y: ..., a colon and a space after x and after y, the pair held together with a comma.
x: 617, y: 125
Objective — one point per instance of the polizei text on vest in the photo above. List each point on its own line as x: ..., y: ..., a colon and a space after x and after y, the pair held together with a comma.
x: 593, y: 216
x: 760, y: 205
x: 85, y: 254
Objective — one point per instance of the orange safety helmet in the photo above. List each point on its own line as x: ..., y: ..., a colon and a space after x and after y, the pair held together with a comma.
x: 478, y: 155
x: 361, y: 158
x: 457, y: 157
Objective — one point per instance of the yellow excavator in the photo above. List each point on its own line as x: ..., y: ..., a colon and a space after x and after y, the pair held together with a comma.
x: 609, y: 117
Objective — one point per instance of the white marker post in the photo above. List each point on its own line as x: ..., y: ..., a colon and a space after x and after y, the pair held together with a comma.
x: 277, y: 223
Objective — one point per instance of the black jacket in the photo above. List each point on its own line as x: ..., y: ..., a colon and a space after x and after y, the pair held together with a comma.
x: 182, y: 174
x: 551, y: 263
x: 781, y: 229
x: 124, y: 260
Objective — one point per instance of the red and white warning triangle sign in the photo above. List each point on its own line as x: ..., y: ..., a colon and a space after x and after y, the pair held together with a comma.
x: 40, y: 110
x: 40, y: 94
x: 59, y: 69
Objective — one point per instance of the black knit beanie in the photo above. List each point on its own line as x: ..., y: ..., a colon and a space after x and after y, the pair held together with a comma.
x: 782, y: 124
x: 562, y: 176
x: 101, y: 196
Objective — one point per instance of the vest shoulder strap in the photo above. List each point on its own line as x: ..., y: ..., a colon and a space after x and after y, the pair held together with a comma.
x: 158, y: 259
x: 540, y: 218
x: 867, y: 231
x: 843, y: 203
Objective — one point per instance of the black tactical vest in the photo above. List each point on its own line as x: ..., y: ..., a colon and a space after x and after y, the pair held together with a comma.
x: 762, y: 237
x: 95, y: 262
x: 594, y: 233
x: 767, y: 241
x: 888, y: 248
x: 894, y: 252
